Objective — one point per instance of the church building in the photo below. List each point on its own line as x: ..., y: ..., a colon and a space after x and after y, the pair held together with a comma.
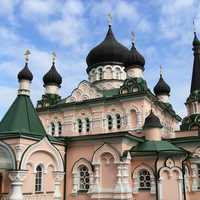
x: 111, y: 138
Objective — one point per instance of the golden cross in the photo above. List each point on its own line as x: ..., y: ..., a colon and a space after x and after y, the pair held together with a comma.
x: 26, y: 55
x: 132, y: 37
x: 53, y: 56
x: 109, y: 19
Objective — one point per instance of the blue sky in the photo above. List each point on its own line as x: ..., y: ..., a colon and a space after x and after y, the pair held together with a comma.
x: 163, y: 29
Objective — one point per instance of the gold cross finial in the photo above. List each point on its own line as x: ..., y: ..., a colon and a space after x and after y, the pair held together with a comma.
x: 53, y: 57
x: 26, y: 55
x: 161, y: 70
x: 109, y: 19
x: 132, y: 37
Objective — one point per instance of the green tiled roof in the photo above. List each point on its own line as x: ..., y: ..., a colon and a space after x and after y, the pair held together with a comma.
x: 156, y: 147
x: 22, y: 118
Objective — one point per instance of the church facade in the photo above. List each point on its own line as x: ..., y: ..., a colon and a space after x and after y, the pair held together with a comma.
x: 111, y: 138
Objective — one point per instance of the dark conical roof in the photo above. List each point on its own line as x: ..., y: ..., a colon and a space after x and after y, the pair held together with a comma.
x: 161, y: 87
x: 110, y: 51
x: 195, y: 85
x: 135, y: 58
x: 25, y: 74
x: 152, y: 121
x: 52, y: 76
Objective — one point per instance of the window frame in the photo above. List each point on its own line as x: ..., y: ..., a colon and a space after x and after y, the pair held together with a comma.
x: 109, y: 122
x: 144, y: 181
x: 39, y: 179
x: 85, y: 178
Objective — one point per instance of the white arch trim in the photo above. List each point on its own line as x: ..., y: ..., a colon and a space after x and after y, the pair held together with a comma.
x: 39, y: 147
x: 105, y: 148
x: 5, y: 147
x: 140, y: 167
x: 170, y: 171
x: 81, y: 161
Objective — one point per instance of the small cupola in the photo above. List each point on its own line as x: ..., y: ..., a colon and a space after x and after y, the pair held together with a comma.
x: 108, y: 52
x: 152, y: 127
x: 162, y: 89
x: 25, y: 77
x: 135, y: 62
x: 52, y: 79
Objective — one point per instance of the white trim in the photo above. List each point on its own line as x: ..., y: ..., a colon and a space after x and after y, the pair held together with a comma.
x: 75, y: 175
x: 105, y: 148
x: 39, y: 147
x: 135, y: 176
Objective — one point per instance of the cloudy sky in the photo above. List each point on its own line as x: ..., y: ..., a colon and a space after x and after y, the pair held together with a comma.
x: 164, y: 33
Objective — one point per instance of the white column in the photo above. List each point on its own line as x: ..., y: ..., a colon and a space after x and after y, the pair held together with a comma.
x: 139, y: 120
x: 194, y: 178
x: 96, y: 186
x: 17, y: 178
x: 125, y: 174
x: 160, y: 188
x: 153, y: 185
x: 75, y: 182
x: 58, y: 177
x: 119, y: 184
x: 91, y: 183
x: 180, y: 180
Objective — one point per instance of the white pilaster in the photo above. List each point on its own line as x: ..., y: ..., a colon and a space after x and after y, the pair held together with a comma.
x: 58, y: 177
x: 17, y: 178
x: 96, y: 186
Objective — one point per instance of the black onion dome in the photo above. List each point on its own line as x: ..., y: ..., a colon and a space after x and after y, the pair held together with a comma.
x: 110, y: 51
x: 135, y: 58
x: 195, y: 40
x: 25, y: 74
x: 52, y: 77
x: 152, y: 121
x: 161, y: 88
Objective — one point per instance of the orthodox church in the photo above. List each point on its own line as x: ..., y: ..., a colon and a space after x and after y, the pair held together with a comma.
x: 111, y: 138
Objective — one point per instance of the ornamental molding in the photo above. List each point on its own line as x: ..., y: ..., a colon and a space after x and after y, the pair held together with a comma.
x: 84, y: 91
x: 105, y: 148
x: 38, y: 147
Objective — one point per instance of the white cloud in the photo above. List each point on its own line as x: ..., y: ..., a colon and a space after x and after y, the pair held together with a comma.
x: 38, y: 9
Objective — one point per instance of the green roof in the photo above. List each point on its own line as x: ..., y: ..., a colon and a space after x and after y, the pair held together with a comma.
x: 22, y: 118
x: 156, y: 147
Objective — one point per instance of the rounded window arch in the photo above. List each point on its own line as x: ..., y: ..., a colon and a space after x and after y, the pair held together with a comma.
x: 110, y: 122
x: 39, y: 178
x: 80, y: 125
x: 118, y: 121
x: 87, y: 124
x: 84, y: 178
x: 144, y: 179
x: 59, y: 128
x: 100, y: 73
x: 52, y: 128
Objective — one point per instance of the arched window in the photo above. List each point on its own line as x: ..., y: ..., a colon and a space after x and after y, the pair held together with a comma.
x: 59, y: 128
x: 118, y: 121
x: 87, y: 121
x: 38, y: 179
x: 84, y: 181
x: 80, y: 126
x: 144, y: 180
x: 100, y: 73
x: 52, y: 128
x: 110, y: 122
